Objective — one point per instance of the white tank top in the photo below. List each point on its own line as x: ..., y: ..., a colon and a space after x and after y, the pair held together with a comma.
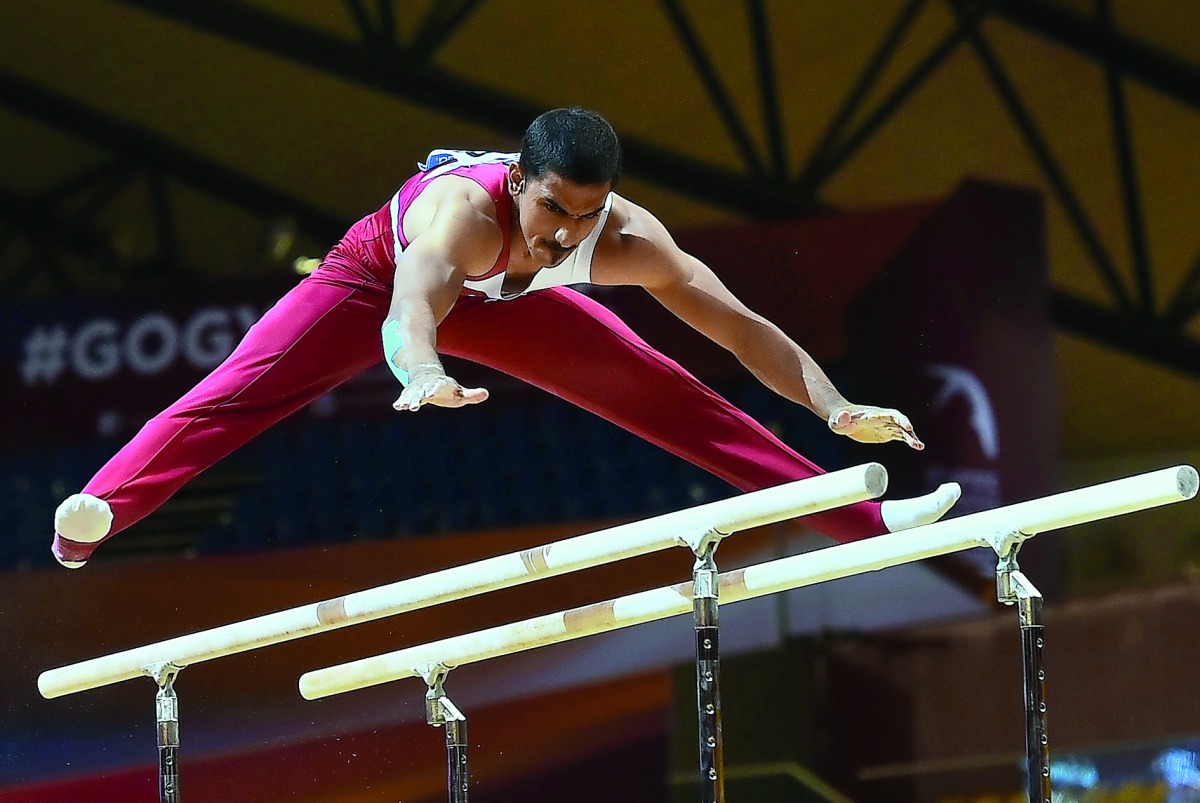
x: 575, y: 269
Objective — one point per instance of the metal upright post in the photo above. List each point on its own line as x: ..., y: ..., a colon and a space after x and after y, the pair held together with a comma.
x: 439, y: 712
x: 708, y: 698
x: 1014, y: 588
x: 167, y: 706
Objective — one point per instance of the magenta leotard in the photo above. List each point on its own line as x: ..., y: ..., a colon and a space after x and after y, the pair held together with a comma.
x: 326, y: 330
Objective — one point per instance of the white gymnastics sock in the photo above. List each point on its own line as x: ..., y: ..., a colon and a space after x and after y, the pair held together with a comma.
x: 902, y: 514
x: 84, y: 519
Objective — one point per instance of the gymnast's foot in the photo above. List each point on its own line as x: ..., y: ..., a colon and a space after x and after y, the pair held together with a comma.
x: 80, y: 521
x: 901, y: 514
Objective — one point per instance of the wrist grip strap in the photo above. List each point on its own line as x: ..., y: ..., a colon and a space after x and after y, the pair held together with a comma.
x: 392, y: 343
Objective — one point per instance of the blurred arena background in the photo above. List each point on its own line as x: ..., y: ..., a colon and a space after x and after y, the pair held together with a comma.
x: 982, y: 212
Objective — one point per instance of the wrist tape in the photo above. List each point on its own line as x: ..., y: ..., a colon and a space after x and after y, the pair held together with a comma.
x: 392, y: 343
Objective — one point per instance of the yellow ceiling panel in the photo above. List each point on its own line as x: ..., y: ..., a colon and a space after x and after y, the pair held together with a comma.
x: 1168, y: 25
x: 621, y: 58
x: 341, y: 147
x: 38, y: 157
x: 333, y: 18
x: 1110, y: 402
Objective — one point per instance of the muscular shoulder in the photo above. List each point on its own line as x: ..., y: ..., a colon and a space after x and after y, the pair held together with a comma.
x: 456, y: 218
x: 636, y: 248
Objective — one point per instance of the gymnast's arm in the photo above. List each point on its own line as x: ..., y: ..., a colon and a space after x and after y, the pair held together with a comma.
x: 429, y: 277
x: 648, y: 256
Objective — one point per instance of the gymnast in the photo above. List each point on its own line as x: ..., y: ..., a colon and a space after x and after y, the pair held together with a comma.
x: 473, y: 257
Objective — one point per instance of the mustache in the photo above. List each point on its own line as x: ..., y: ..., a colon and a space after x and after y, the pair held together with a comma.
x: 555, y: 247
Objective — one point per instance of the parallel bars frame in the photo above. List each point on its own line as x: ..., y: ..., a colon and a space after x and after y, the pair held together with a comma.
x: 1019, y: 523
x: 790, y: 500
x: 986, y: 528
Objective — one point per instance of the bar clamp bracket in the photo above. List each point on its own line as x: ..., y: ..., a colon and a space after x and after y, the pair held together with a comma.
x: 703, y: 543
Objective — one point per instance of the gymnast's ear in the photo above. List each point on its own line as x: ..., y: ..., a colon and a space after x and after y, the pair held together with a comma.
x: 516, y: 180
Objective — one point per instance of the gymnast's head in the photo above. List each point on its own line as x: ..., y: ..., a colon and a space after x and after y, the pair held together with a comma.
x: 570, y: 161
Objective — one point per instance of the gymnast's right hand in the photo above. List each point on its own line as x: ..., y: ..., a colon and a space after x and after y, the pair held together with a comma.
x: 434, y: 387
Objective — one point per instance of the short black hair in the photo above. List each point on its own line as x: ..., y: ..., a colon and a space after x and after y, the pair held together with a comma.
x: 575, y: 143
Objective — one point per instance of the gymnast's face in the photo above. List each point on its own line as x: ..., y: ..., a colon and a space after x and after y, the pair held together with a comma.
x: 554, y: 214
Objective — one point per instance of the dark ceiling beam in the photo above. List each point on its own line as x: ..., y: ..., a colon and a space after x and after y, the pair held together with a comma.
x: 387, y: 22
x: 816, y: 174
x: 46, y: 233
x: 140, y: 146
x: 392, y: 72
x: 30, y: 218
x: 863, y: 85
x: 1152, y: 341
x: 366, y: 26
x: 768, y: 88
x: 1135, y: 224
x: 1138, y: 60
x: 440, y: 23
x: 1040, y: 150
x: 707, y: 72
x: 1186, y: 303
x: 166, y: 232
x: 86, y: 181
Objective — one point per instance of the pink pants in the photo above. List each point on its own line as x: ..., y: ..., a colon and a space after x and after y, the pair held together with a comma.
x: 327, y: 329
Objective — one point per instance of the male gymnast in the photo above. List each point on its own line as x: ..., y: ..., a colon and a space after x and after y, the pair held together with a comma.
x: 472, y: 257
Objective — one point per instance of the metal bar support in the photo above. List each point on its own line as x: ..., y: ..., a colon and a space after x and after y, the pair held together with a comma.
x: 1014, y: 588
x: 167, y: 707
x: 441, y: 712
x: 708, y: 697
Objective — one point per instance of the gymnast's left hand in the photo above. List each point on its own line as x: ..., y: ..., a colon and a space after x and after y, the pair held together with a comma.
x: 437, y: 389
x: 867, y: 424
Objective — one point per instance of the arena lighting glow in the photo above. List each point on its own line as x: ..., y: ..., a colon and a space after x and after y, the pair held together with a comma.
x: 1078, y: 773
x: 1179, y: 768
